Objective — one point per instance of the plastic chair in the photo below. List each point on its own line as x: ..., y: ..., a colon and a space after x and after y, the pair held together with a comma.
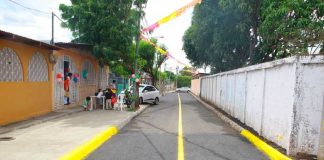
x: 120, y: 103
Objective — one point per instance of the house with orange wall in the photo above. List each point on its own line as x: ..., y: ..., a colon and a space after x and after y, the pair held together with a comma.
x: 29, y: 85
x: 25, y: 78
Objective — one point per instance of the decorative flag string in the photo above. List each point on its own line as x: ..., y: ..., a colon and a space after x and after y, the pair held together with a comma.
x: 162, y: 51
x: 171, y: 16
x: 165, y: 20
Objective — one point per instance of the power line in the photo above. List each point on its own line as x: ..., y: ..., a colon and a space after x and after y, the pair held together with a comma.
x: 36, y: 10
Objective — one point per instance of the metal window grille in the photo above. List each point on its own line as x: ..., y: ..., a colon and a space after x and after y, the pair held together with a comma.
x: 37, y: 68
x: 10, y: 66
x: 88, y: 67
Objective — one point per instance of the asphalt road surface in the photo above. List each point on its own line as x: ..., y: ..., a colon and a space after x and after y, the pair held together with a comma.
x: 156, y: 135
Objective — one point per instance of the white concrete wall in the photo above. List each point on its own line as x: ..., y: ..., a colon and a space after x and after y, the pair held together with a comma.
x: 281, y: 100
x: 310, y: 108
x: 320, y: 153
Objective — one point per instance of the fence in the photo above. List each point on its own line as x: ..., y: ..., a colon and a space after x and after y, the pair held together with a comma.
x: 281, y: 100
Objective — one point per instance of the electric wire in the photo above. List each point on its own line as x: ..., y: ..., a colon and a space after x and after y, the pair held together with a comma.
x: 36, y: 10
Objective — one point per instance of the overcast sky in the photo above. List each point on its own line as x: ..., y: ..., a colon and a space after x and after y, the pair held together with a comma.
x: 36, y: 25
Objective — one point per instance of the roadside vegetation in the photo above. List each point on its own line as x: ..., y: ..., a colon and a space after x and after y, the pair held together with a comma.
x: 228, y: 34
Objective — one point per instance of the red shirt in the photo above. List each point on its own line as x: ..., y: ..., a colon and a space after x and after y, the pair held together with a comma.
x: 66, y: 84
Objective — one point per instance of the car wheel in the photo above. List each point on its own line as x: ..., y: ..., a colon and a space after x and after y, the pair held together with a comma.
x: 156, y: 101
x: 141, y: 100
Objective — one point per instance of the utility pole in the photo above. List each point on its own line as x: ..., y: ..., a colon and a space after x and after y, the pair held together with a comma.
x: 52, y: 40
x: 177, y: 76
x: 135, y: 85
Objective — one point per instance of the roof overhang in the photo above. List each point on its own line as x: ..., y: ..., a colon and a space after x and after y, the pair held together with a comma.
x: 27, y: 41
x: 75, y: 45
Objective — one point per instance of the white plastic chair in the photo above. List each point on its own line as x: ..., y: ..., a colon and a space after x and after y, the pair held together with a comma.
x: 120, y: 102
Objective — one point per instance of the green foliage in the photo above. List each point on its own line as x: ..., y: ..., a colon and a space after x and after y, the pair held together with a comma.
x: 290, y: 27
x: 183, y: 81
x: 163, y: 76
x: 228, y: 34
x: 218, y: 37
x: 170, y: 75
x: 152, y: 60
x: 110, y: 25
x: 186, y: 71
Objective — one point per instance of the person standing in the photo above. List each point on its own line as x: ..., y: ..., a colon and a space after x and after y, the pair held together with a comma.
x: 66, y: 90
x: 108, y: 94
x: 113, y: 85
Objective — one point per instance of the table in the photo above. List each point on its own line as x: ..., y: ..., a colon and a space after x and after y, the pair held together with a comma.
x: 103, y: 102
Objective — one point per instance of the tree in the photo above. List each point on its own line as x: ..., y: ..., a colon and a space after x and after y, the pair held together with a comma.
x: 290, y: 27
x: 109, y: 25
x: 170, y: 75
x: 183, y: 81
x: 186, y: 71
x: 227, y: 34
x: 152, y: 59
x: 218, y: 36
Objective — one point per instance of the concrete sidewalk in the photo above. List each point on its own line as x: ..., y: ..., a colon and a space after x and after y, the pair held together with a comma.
x: 52, y: 136
x: 39, y: 119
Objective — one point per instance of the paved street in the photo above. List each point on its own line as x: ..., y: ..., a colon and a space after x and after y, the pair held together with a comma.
x: 154, y: 135
x: 54, y: 138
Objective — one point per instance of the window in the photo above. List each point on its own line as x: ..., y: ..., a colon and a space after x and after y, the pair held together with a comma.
x: 150, y: 88
x: 10, y: 66
x: 37, y: 68
x: 103, y: 78
x: 88, y: 73
x: 146, y: 89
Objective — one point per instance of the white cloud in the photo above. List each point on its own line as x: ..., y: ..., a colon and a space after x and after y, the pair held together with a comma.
x: 33, y: 24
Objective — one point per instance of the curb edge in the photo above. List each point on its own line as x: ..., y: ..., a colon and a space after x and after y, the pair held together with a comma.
x: 85, y: 149
x: 271, y: 152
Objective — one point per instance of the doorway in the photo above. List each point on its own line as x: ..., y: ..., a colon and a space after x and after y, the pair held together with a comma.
x: 65, y: 66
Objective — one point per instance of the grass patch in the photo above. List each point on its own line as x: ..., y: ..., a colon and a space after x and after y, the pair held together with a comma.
x: 130, y: 110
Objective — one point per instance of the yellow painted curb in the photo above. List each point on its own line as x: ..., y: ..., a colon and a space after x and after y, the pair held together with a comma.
x: 85, y: 149
x: 264, y: 147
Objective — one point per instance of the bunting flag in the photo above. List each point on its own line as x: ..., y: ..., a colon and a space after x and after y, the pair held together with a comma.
x: 162, y: 51
x: 171, y: 16
x: 158, y: 48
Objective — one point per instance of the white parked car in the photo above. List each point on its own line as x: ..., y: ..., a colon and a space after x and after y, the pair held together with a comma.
x: 147, y: 93
x: 183, y: 89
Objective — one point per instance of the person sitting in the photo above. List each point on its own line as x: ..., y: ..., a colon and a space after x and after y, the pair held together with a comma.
x: 86, y: 104
x: 100, y: 93
x: 108, y: 94
x: 113, y: 99
x: 98, y: 98
x: 127, y: 99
